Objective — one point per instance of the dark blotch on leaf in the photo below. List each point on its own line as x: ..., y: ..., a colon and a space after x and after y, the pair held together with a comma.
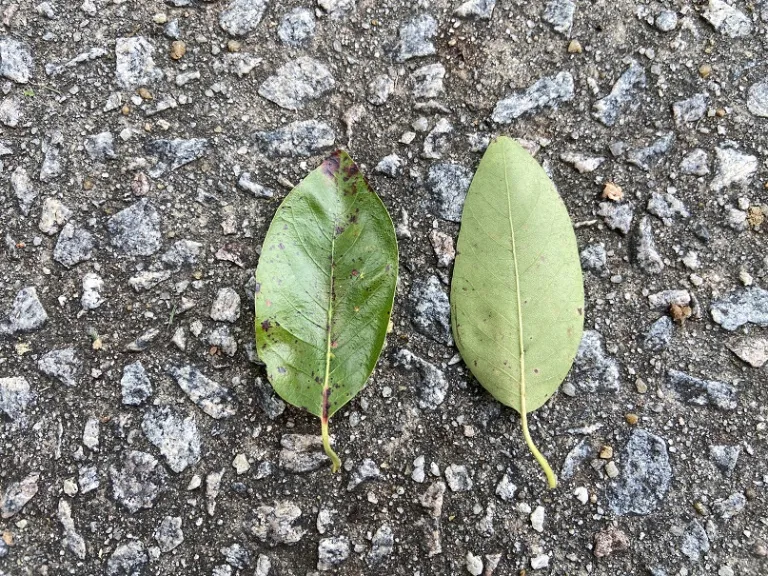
x: 266, y: 325
x: 281, y: 370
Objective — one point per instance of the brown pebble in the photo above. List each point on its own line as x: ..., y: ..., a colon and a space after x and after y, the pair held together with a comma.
x: 234, y: 46
x: 606, y: 452
x: 87, y: 184
x: 574, y: 47
x: 701, y: 509
x: 145, y: 93
x: 612, y: 192
x: 178, y: 49
x: 8, y: 538
x: 705, y: 70
x: 125, y: 110
x: 631, y: 419
x: 720, y: 112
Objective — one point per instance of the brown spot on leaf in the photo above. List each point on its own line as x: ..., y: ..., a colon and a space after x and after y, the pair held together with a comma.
x: 331, y: 164
x: 580, y: 311
x: 355, y: 273
x: 335, y: 344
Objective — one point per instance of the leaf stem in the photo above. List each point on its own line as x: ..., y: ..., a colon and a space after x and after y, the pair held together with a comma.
x: 335, y: 462
x: 551, y: 478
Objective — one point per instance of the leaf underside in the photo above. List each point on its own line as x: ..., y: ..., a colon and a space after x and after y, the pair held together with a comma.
x: 325, y: 285
x: 517, y: 297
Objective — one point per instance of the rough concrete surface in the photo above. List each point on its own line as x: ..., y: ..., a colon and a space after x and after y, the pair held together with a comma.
x: 144, y: 147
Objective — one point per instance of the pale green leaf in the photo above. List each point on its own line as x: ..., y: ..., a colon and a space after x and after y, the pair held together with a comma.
x: 325, y: 287
x: 517, y: 297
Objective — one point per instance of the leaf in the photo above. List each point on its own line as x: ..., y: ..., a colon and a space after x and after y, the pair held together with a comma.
x: 325, y: 285
x: 517, y: 298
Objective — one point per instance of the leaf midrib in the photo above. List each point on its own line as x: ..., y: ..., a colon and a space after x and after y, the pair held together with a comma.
x: 325, y: 407
x: 521, y: 383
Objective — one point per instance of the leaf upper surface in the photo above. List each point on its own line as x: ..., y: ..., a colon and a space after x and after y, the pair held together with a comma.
x: 325, y: 288
x: 517, y: 297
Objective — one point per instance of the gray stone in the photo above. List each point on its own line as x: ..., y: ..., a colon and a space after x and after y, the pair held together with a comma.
x: 237, y: 556
x: 173, y: 154
x: 17, y: 495
x: 337, y: 9
x: 169, y: 534
x: 226, y: 306
x: 736, y: 219
x: 430, y: 310
x: 54, y: 215
x: 382, y: 545
x: 506, y: 489
x: 695, y: 541
x: 263, y: 565
x: 221, y: 337
x: 26, y: 314
x: 367, y: 470
x: 148, y: 279
x: 666, y: 207
x: 695, y: 163
x: 416, y: 37
x: 438, y: 140
x: 91, y: 433
x: 576, y: 457
x: 609, y: 109
x: 51, y: 167
x: 71, y: 540
x: 666, y: 20
x: 727, y: 20
x: 581, y: 162
x: 725, y: 457
x: 703, y: 392
x: 753, y: 350
x: 332, y: 552
x: 268, y: 401
x: 135, y: 384
x: 645, y: 158
x: 182, y: 253
x: 15, y: 60
x: 660, y: 335
x: 100, y: 147
x: 240, y: 17
x: 139, y: 481
x: 431, y: 386
x: 661, y: 301
x: 74, y: 245
x: 88, y: 479
x: 211, y: 397
x: 302, y: 138
x: 127, y: 560
x: 175, y: 436
x: 645, y: 477
x: 22, y: 187
x: 479, y: 9
x: 617, y: 216
x: 644, y: 248
x: 691, y: 109
x: 301, y: 453
x: 296, y: 27
x: 594, y: 371
x: 134, y: 65
x: 729, y: 507
x: 593, y: 258
x: 547, y: 92
x: 458, y: 478
x: 757, y: 99
x: 297, y: 83
x: 559, y: 13
x: 274, y: 525
x: 222, y: 570
x: 92, y: 287
x: 732, y: 167
x: 172, y: 30
x: 245, y: 183
x: 740, y: 307
x: 10, y: 112
x: 15, y: 398
x: 448, y: 184
x: 135, y: 231
x: 391, y: 166
x: 428, y: 81
x: 64, y: 365
x: 380, y: 89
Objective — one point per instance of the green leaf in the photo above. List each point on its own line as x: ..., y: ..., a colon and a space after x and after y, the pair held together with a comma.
x: 517, y: 297
x: 325, y: 288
